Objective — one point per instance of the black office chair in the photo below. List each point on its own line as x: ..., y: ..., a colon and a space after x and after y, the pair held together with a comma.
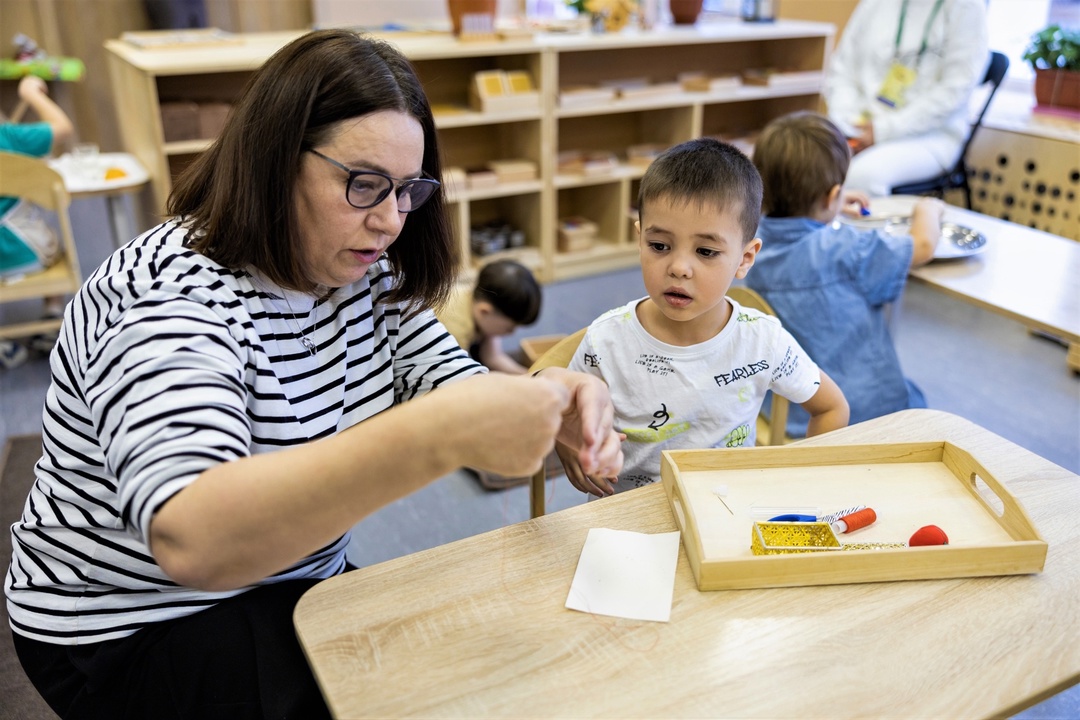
x: 957, y: 178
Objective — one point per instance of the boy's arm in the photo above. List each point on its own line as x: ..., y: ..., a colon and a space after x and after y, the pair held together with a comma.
x: 35, y: 93
x: 828, y: 408
x: 495, y: 358
x: 926, y: 229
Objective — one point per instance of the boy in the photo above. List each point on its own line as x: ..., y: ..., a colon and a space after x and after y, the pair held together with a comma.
x: 27, y: 244
x: 829, y: 282
x: 506, y: 295
x: 687, y: 367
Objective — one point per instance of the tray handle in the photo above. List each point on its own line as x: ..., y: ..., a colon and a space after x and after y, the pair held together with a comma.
x: 1012, y: 515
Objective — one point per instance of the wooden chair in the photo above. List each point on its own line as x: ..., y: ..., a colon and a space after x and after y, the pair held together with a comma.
x: 32, y: 179
x: 771, y: 430
x: 558, y: 355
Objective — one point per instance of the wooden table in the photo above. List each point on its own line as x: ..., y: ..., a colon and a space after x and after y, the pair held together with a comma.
x: 90, y: 182
x: 1024, y: 274
x: 477, y: 628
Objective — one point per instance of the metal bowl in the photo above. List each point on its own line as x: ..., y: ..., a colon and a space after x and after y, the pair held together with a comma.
x: 958, y: 241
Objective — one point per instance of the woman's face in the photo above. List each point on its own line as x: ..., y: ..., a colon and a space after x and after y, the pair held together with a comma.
x: 338, y: 241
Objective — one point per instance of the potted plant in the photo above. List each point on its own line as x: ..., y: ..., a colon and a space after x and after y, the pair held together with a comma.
x: 1054, y: 53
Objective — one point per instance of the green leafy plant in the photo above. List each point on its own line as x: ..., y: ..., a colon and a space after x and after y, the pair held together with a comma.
x: 578, y: 5
x: 1054, y: 47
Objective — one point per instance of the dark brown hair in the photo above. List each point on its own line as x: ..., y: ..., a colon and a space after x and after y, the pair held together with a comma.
x: 511, y: 289
x: 705, y: 170
x: 801, y: 157
x: 238, y: 195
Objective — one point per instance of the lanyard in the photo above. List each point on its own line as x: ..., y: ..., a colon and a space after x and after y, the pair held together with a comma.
x: 925, y: 34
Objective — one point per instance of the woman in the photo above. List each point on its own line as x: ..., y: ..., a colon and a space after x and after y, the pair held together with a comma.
x: 236, y: 388
x: 898, y: 85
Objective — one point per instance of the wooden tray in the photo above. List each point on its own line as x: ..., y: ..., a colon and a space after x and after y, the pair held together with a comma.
x: 908, y: 485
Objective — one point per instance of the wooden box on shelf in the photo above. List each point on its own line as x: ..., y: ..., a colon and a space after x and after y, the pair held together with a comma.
x: 501, y: 91
x: 578, y: 162
x: 585, y: 95
x: 643, y: 155
x: 517, y: 170
x: 701, y: 82
x: 576, y: 233
x: 212, y: 116
x: 180, y: 120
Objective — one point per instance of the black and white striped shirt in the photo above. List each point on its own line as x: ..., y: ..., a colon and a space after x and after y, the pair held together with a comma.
x: 167, y: 365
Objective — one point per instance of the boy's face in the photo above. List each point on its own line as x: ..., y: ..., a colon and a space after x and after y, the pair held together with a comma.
x: 690, y: 254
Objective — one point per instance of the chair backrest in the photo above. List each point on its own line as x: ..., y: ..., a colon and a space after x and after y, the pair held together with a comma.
x: 558, y: 355
x: 995, y: 74
x: 773, y: 430
x: 32, y: 179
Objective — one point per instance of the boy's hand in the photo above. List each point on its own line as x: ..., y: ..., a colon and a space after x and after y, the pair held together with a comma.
x: 929, y: 208
x: 31, y: 87
x: 926, y: 219
x: 855, y: 203
x: 598, y: 486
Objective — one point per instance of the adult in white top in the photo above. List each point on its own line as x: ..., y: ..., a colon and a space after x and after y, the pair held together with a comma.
x: 236, y: 388
x: 899, y: 85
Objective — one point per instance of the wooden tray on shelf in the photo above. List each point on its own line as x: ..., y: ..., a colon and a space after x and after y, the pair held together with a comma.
x: 909, y: 485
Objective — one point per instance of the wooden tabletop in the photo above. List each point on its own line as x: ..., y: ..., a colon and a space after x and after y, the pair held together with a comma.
x: 478, y: 628
x: 1024, y: 274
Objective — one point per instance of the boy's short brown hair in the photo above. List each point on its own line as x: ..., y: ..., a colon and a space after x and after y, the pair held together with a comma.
x: 801, y: 157
x: 705, y: 170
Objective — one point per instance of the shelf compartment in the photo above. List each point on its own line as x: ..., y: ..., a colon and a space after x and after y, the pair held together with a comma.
x: 473, y: 146
x: 741, y: 118
x: 668, y: 126
x: 446, y: 83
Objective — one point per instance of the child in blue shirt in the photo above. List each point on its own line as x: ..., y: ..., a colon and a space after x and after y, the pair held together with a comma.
x: 830, y: 282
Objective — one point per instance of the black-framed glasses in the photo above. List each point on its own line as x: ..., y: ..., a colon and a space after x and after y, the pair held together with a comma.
x: 367, y: 188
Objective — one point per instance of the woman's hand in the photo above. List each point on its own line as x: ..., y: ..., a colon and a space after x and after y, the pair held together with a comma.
x: 588, y: 422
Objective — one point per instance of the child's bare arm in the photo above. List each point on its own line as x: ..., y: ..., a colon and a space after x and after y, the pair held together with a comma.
x: 495, y: 358
x: 828, y: 408
x: 926, y: 229
x: 35, y: 93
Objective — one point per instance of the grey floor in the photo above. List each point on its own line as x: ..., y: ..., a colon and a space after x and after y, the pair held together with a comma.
x: 967, y: 361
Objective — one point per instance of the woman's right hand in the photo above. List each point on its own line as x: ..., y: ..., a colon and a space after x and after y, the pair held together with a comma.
x: 502, y: 423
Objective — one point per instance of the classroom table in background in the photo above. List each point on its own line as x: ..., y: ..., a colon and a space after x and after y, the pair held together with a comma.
x: 83, y: 184
x: 478, y: 628
x: 1024, y: 274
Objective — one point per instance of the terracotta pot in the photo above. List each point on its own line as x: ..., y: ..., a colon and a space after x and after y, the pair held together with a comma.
x: 459, y: 8
x: 685, y: 12
x: 1058, y: 88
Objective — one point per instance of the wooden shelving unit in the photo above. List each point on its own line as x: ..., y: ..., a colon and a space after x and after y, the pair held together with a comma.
x: 469, y: 138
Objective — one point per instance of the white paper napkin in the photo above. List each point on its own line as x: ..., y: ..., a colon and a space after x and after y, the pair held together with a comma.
x: 626, y: 574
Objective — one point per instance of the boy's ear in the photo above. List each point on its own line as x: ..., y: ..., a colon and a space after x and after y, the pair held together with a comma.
x: 637, y: 227
x: 482, y: 307
x: 833, y: 198
x: 750, y: 251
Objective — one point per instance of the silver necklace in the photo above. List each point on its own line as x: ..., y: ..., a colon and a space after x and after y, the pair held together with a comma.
x: 304, y: 339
